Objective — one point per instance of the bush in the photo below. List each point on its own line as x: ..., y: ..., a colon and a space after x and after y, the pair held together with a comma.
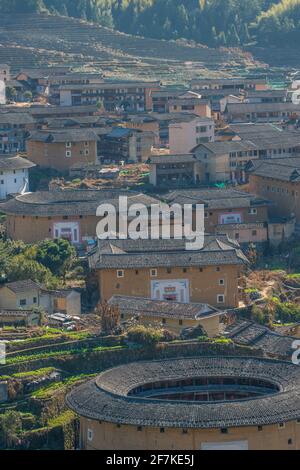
x: 146, y: 336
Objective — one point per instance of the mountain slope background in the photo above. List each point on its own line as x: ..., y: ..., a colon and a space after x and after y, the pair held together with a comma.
x: 214, y: 23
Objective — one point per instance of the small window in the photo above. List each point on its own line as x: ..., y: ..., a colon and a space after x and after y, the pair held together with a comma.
x: 86, y: 144
x: 23, y: 302
x: 180, y: 322
x: 281, y: 425
x: 252, y: 211
x: 184, y: 431
x: 139, y: 428
x: 120, y: 273
x: 254, y: 233
x: 218, y: 269
x: 221, y: 299
x: 153, y: 272
x: 164, y: 321
x: 169, y: 270
x: 35, y: 300
x: 68, y: 154
x: 136, y: 273
x: 2, y: 181
x: 68, y: 145
x: 290, y: 442
x: 221, y: 282
x: 260, y: 428
x: 90, y: 434
x: 86, y: 152
x: 224, y: 431
x: 185, y: 270
x: 162, y: 430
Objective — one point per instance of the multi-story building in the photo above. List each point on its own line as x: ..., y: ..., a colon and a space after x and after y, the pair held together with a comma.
x: 126, y: 96
x: 68, y: 214
x: 190, y: 102
x: 125, y: 144
x: 187, y: 131
x: 224, y: 161
x: 15, y: 128
x: 229, y: 84
x: 279, y: 181
x: 14, y: 175
x: 261, y: 112
x: 167, y: 271
x: 61, y: 149
x: 173, y: 170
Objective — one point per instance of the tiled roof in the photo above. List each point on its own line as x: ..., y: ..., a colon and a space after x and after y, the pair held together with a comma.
x: 15, y: 163
x: 65, y: 135
x: 141, y: 306
x: 15, y: 118
x: 107, y: 398
x: 283, y: 169
x: 69, y: 202
x: 23, y: 286
x: 166, y: 159
x: 214, y: 198
x: 127, y: 254
x: 226, y: 147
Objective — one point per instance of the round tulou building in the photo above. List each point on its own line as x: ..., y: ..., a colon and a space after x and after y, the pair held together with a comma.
x: 204, y: 403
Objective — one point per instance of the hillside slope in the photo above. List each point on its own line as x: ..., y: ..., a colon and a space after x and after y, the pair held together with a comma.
x: 31, y: 40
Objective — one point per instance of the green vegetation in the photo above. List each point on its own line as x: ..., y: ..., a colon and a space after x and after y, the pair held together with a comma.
x: 34, y: 374
x: 211, y: 22
x: 45, y: 355
x: 47, y: 392
x: 46, y: 262
x: 145, y: 336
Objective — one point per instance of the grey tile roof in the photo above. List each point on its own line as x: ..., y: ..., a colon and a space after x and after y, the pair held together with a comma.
x: 215, y: 198
x: 15, y: 118
x: 283, y: 169
x: 65, y: 135
x: 166, y: 159
x: 107, y: 399
x: 69, y: 202
x: 233, y: 108
x: 252, y: 334
x: 15, y: 313
x: 128, y: 254
x: 15, y: 163
x: 141, y: 306
x: 226, y: 147
x: 23, y: 286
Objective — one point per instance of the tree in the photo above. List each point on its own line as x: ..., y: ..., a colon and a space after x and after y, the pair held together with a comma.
x: 27, y: 96
x: 56, y: 255
x: 110, y: 318
x: 20, y: 268
x: 11, y: 93
x: 10, y: 427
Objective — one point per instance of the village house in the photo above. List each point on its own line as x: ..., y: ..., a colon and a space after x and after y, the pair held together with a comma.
x: 224, y: 161
x: 277, y: 180
x: 68, y: 214
x: 172, y: 316
x: 238, y: 214
x: 15, y: 128
x: 173, y: 170
x: 261, y: 112
x: 165, y: 270
x: 43, y: 112
x: 187, y: 131
x: 14, y: 175
x: 20, y: 295
x: 190, y: 102
x: 28, y: 294
x: 266, y: 96
x: 229, y: 84
x: 126, y: 96
x: 125, y: 144
x: 141, y: 122
x: 60, y: 149
x: 161, y: 99
x: 38, y: 78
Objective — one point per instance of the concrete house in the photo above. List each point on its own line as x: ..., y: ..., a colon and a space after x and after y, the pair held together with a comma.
x: 14, y: 175
x: 20, y: 295
x: 187, y: 131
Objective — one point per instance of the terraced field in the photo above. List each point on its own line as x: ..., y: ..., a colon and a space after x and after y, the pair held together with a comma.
x: 33, y: 40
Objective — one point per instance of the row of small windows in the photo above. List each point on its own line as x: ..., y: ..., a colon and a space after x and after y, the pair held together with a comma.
x: 90, y: 432
x: 274, y: 189
x: 153, y: 273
